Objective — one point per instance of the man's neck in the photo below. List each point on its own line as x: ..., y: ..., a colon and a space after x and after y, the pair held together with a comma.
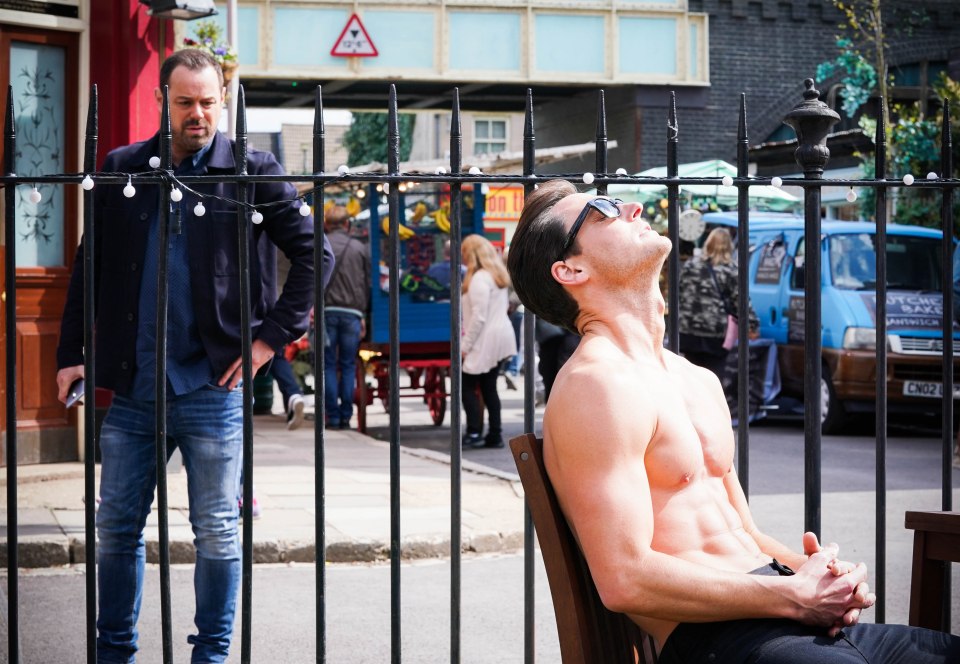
x: 633, y: 319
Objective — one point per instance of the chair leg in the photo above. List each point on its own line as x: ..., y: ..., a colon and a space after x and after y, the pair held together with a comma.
x: 926, y: 609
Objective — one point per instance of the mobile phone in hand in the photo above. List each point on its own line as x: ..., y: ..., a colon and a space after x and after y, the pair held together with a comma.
x: 75, y: 393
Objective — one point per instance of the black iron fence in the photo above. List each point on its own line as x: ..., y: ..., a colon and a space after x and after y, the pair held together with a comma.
x: 811, y: 120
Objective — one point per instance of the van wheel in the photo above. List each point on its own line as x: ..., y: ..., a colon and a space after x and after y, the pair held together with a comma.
x: 831, y: 410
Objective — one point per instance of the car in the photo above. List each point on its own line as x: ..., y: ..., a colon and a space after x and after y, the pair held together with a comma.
x: 848, y: 311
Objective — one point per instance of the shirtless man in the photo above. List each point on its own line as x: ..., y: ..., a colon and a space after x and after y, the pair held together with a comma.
x: 639, y: 448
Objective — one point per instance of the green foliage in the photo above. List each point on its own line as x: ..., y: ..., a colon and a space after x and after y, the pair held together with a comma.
x: 366, y: 140
x: 858, y: 76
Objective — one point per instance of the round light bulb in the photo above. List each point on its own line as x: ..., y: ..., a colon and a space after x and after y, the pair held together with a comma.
x: 402, y: 187
x: 154, y: 162
x: 361, y: 193
x: 931, y: 175
x: 588, y: 178
x: 727, y: 181
x: 304, y: 209
x: 386, y: 187
x: 129, y: 191
x: 908, y: 179
x: 474, y: 170
x: 851, y: 196
x: 199, y: 210
x: 256, y: 217
x: 343, y: 168
x: 87, y: 183
x: 35, y: 195
x: 776, y: 181
x: 621, y: 171
x: 176, y: 195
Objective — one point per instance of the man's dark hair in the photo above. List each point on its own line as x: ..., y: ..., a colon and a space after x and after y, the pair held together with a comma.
x: 537, y: 242
x: 191, y: 58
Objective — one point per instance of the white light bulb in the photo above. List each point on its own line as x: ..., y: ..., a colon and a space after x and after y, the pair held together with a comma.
x: 931, y: 175
x: 129, y: 191
x: 361, y: 193
x: 776, y: 181
x: 851, y: 196
x: 621, y: 171
x: 304, y: 209
x: 727, y: 181
x: 199, y: 210
x: 176, y: 195
x: 154, y: 162
x: 441, y: 170
x: 588, y: 178
x: 35, y: 196
x: 908, y: 179
x: 474, y: 170
x: 256, y: 217
x: 402, y: 187
x: 343, y: 168
x: 87, y: 183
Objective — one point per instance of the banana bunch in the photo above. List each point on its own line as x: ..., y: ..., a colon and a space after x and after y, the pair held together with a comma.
x: 353, y: 207
x: 419, y: 212
x: 405, y: 233
x: 443, y: 221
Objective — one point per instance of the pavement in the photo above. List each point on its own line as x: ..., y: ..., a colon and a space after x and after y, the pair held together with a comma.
x: 50, y: 500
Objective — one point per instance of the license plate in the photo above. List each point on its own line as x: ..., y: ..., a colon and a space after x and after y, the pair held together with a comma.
x: 917, y: 388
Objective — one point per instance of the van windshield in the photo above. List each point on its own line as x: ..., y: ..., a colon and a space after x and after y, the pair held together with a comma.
x: 913, y: 263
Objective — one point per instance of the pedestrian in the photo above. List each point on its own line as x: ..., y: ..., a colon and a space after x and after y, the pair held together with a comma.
x: 204, y: 410
x: 956, y: 319
x: 555, y: 345
x: 639, y: 449
x: 708, y: 295
x: 487, y: 338
x: 290, y: 391
x: 346, y: 300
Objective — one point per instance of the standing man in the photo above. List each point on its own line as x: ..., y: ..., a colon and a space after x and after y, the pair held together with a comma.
x: 204, y: 410
x: 639, y: 449
x: 346, y: 300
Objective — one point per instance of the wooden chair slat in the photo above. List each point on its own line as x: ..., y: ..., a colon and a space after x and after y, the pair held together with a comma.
x: 589, y: 632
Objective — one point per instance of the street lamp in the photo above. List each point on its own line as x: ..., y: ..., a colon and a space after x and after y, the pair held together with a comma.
x: 185, y: 10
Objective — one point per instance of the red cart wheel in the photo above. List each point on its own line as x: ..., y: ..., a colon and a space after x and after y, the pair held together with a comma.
x: 383, y: 387
x: 362, y: 396
x: 435, y: 393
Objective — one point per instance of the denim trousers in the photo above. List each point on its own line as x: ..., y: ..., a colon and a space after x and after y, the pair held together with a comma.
x: 340, y: 365
x: 206, y: 425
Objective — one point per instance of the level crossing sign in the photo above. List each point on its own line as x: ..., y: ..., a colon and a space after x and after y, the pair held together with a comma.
x: 354, y: 42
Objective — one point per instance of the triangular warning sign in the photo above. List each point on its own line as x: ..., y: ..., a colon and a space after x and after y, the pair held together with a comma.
x: 354, y: 42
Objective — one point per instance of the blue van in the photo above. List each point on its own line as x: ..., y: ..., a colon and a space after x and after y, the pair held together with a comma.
x: 848, y: 264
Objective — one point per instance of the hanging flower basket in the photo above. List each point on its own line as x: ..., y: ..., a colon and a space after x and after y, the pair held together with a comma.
x: 210, y: 39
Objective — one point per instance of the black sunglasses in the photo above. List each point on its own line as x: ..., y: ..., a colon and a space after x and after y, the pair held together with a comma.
x: 608, y: 207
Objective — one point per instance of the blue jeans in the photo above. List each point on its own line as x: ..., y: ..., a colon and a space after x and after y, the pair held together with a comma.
x: 340, y: 365
x: 207, y: 426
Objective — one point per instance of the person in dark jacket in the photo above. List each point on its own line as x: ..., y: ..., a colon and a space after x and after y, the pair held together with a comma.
x: 346, y: 307
x: 204, y: 411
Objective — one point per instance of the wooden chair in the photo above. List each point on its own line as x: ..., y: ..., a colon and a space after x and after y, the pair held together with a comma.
x: 589, y: 632
x: 936, y: 540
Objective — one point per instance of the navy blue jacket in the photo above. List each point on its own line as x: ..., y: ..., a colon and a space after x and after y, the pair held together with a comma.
x: 120, y: 236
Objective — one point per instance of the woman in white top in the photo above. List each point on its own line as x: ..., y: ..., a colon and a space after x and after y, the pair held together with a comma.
x: 487, y: 340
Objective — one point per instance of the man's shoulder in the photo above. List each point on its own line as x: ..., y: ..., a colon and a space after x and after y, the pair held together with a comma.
x: 133, y: 154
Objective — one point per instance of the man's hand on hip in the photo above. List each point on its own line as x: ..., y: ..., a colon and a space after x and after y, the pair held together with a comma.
x: 66, y: 378
x: 260, y: 354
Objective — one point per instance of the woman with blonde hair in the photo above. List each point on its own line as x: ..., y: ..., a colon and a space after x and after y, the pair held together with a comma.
x: 708, y: 294
x: 487, y: 339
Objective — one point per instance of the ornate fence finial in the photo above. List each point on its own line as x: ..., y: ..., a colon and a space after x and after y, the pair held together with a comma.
x: 812, y: 119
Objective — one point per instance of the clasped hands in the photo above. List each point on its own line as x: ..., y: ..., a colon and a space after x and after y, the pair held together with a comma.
x: 839, y: 589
